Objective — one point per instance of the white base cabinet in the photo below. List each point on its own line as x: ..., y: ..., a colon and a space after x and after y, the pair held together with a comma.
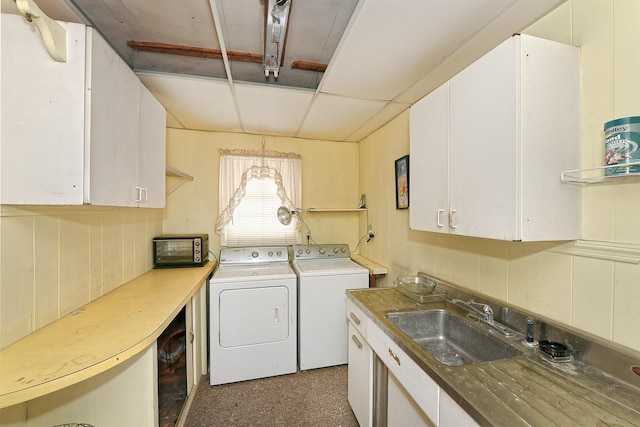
x: 360, y: 377
x: 488, y: 146
x: 412, y: 397
x: 402, y: 410
x: 85, y: 131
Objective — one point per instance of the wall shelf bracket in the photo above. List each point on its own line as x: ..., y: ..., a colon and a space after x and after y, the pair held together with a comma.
x: 174, y: 172
x: 53, y: 34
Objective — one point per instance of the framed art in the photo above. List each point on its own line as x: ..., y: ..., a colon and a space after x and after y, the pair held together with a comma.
x: 402, y: 182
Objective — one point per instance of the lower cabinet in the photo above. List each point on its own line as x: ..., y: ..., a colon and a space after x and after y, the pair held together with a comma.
x: 411, y: 397
x: 360, y: 373
x: 402, y: 410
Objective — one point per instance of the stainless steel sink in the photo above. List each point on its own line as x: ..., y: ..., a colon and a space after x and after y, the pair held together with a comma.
x: 449, y: 339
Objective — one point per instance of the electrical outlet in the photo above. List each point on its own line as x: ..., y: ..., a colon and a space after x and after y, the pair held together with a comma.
x: 370, y: 233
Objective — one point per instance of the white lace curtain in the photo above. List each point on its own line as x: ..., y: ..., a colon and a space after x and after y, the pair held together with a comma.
x: 239, y: 166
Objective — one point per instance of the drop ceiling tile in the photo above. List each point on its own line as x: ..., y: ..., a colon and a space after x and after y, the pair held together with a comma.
x: 336, y: 118
x: 391, y: 45
x: 272, y: 110
x: 384, y: 116
x: 197, y: 103
x: 513, y: 20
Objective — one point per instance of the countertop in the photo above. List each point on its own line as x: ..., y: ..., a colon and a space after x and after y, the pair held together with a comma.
x: 97, y: 336
x: 524, y: 390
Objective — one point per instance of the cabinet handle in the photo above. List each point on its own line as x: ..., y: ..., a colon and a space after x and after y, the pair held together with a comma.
x: 145, y: 191
x: 277, y: 315
x: 440, y: 212
x: 354, y: 317
x: 394, y: 357
x: 357, y: 341
x: 191, y: 336
x: 452, y: 222
x: 138, y: 196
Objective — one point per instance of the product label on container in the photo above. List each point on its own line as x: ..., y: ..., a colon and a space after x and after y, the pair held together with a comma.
x: 622, y: 137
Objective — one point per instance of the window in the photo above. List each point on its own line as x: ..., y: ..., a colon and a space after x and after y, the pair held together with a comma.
x: 252, y: 187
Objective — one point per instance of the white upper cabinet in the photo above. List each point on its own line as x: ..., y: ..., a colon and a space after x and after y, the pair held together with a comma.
x: 42, y: 116
x: 489, y: 146
x: 152, y: 144
x: 85, y: 131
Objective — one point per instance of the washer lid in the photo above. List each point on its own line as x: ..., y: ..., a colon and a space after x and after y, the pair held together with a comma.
x: 257, y: 272
x: 329, y: 267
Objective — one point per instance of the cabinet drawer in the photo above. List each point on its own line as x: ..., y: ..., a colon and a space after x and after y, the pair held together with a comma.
x: 357, y: 318
x: 416, y: 382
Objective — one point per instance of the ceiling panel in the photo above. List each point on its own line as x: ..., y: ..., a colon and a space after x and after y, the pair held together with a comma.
x: 513, y: 20
x: 336, y: 118
x: 196, y: 102
x: 391, y: 45
x: 383, y: 117
x: 272, y: 110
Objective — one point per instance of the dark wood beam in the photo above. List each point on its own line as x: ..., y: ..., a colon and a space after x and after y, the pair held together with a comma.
x: 309, y: 66
x: 199, y: 52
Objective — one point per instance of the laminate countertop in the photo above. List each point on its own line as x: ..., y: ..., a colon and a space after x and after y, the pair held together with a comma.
x: 520, y: 391
x: 97, y: 336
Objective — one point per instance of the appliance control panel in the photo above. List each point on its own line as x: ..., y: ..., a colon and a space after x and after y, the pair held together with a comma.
x: 333, y: 250
x: 254, y: 255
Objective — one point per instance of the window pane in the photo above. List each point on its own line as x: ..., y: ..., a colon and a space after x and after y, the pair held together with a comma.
x: 255, y: 222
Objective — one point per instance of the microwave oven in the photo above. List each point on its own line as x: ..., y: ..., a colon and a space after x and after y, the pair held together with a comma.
x: 180, y: 250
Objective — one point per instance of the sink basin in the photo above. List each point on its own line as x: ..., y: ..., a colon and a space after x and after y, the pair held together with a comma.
x: 449, y: 339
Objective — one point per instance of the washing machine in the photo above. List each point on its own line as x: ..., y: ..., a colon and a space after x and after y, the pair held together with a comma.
x: 253, y: 315
x: 325, y: 273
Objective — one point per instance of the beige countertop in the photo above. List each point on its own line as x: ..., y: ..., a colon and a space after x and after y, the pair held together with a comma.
x: 98, y: 336
x: 524, y: 390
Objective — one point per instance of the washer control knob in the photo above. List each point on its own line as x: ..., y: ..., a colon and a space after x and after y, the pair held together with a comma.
x: 335, y: 250
x: 279, y: 253
x: 308, y: 251
x: 322, y: 251
x: 299, y: 251
x: 254, y: 254
x: 270, y: 253
x: 343, y: 250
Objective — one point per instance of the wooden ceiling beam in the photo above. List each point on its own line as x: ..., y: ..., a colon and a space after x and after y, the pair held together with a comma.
x: 199, y: 52
x: 309, y: 66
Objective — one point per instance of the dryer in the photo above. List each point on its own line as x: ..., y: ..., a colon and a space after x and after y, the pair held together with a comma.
x: 253, y: 315
x: 325, y: 273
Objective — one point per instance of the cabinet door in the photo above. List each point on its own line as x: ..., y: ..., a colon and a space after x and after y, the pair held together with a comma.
x: 42, y: 116
x: 152, y: 166
x: 360, y: 377
x: 402, y: 410
x: 113, y: 106
x: 418, y: 384
x: 428, y: 177
x: 484, y: 156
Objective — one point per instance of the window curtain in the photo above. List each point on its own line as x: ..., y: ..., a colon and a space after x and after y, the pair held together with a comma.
x: 239, y: 166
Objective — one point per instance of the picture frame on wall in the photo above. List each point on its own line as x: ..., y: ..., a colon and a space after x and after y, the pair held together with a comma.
x: 402, y: 182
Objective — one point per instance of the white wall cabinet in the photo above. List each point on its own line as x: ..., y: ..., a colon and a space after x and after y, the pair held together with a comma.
x: 488, y: 147
x: 85, y: 131
x: 42, y: 116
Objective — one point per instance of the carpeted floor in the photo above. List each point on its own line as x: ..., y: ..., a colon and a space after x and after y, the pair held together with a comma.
x: 309, y: 398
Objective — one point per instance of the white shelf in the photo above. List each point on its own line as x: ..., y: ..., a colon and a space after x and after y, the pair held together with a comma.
x: 585, y: 176
x: 337, y: 210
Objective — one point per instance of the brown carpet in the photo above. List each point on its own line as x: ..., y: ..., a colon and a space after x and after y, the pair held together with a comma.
x: 309, y: 398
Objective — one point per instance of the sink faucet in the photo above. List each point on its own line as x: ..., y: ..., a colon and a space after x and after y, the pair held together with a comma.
x: 487, y: 315
x: 482, y: 309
